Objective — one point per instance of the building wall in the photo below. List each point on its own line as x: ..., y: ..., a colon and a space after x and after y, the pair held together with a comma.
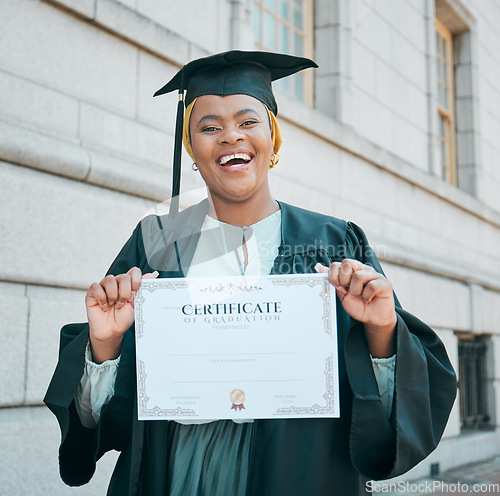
x: 85, y: 151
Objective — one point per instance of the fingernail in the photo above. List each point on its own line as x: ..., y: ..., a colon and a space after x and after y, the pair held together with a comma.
x: 317, y: 267
x: 155, y: 273
x: 118, y: 305
x: 105, y: 307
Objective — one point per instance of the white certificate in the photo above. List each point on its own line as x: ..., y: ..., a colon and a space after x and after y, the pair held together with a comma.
x: 237, y: 348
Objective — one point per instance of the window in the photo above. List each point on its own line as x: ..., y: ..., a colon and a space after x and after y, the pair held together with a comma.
x: 446, y: 102
x: 286, y: 26
x: 457, y: 95
x: 472, y: 381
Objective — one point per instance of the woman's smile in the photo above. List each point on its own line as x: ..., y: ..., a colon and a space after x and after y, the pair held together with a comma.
x: 236, y: 161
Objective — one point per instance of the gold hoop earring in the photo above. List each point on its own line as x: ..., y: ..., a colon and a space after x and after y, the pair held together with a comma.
x: 194, y: 167
x: 275, y: 158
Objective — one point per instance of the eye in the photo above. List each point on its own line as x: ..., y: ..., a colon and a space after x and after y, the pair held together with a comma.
x: 209, y: 129
x: 249, y: 122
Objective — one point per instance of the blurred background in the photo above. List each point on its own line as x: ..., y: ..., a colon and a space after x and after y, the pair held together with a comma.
x: 398, y: 131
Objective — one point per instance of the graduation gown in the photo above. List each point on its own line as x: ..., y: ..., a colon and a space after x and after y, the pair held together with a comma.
x: 292, y: 457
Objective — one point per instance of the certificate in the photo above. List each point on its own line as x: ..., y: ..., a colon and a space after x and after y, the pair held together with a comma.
x: 236, y: 348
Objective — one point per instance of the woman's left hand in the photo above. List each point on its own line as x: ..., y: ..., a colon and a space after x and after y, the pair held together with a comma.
x: 367, y: 297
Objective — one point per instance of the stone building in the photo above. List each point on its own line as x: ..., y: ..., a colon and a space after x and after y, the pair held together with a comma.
x: 397, y: 131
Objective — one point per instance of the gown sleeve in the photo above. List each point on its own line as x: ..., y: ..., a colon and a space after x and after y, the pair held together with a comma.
x: 384, y: 370
x: 80, y: 446
x: 424, y: 389
x: 97, y: 386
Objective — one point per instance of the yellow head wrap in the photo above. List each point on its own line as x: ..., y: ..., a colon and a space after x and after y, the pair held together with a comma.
x: 275, y: 131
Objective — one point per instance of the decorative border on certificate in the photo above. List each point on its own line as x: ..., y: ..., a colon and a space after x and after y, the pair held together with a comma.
x: 325, y: 294
x: 155, y: 411
x: 164, y: 283
x: 231, y: 288
x: 153, y: 310
x: 316, y: 409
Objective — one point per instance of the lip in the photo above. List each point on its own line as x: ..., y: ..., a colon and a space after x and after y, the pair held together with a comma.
x: 235, y: 168
x: 231, y: 169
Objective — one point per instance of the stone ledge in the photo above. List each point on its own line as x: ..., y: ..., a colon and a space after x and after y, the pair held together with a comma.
x: 50, y: 221
x: 345, y: 138
x: 412, y: 259
x: 21, y: 146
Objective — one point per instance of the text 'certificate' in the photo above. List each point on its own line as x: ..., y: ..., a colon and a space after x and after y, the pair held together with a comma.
x: 237, y: 348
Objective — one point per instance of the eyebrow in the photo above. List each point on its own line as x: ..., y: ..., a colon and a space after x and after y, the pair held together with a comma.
x: 245, y: 111
x: 215, y: 117
x: 212, y: 117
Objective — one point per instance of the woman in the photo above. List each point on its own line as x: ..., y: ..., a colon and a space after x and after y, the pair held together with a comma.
x: 391, y: 417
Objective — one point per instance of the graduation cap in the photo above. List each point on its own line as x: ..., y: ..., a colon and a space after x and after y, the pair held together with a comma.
x: 229, y: 73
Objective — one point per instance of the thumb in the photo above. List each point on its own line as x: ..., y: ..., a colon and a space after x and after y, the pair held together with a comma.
x: 320, y: 268
x: 151, y: 275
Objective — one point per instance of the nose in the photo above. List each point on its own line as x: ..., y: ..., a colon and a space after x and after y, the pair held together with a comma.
x: 231, y: 135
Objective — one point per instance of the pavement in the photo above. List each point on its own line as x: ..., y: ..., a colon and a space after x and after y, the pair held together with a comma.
x: 476, y: 479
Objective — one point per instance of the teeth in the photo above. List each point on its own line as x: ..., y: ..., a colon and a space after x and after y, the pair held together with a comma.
x: 243, y: 156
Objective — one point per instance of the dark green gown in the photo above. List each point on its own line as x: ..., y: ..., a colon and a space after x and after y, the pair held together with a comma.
x: 289, y: 457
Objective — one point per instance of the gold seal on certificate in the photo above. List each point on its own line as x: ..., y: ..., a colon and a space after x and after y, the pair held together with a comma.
x: 205, y: 345
x: 237, y: 397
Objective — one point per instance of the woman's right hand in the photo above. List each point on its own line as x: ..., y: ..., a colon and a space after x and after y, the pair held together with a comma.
x: 110, y: 311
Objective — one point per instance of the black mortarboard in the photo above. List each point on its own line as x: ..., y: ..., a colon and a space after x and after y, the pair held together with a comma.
x: 228, y: 73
